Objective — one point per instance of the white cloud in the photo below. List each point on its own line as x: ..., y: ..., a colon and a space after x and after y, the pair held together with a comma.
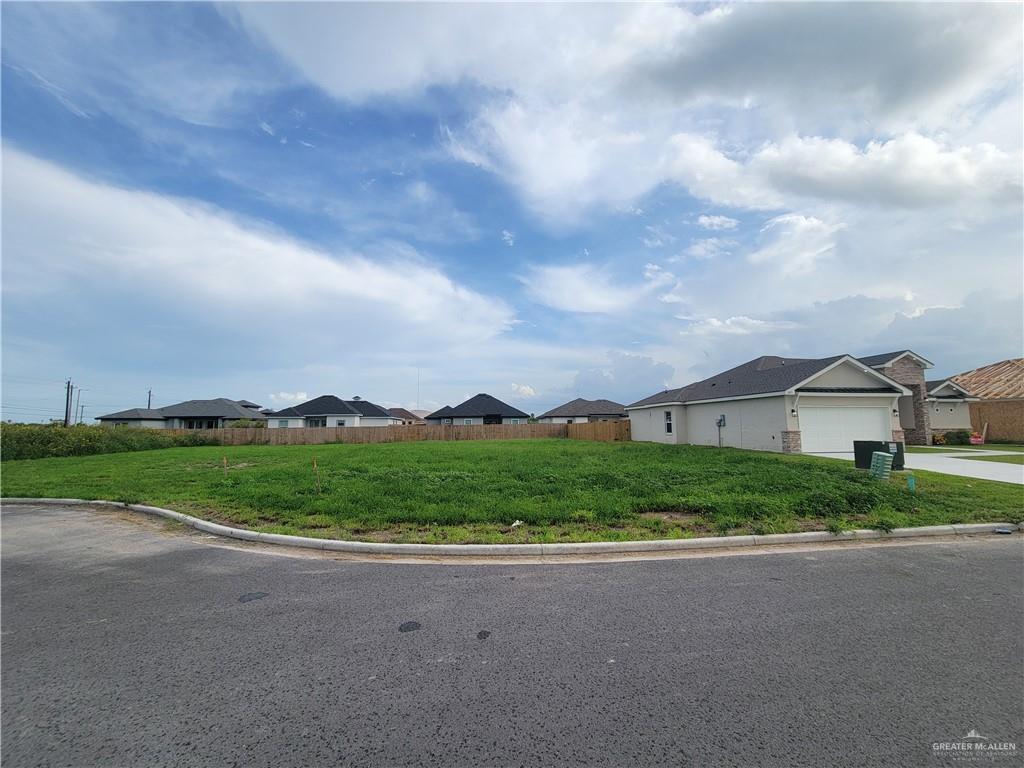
x: 794, y: 243
x: 736, y: 326
x: 524, y: 390
x: 909, y: 171
x: 289, y: 397
x: 266, y: 128
x: 59, y: 232
x: 709, y: 248
x: 716, y: 222
x: 508, y: 237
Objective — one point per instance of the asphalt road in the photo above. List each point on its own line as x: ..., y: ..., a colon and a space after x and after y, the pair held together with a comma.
x: 126, y: 644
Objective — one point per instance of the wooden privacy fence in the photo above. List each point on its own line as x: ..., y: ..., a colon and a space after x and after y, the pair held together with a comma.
x: 605, y: 431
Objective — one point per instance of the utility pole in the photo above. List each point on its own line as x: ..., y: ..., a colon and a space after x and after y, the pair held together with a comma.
x: 81, y: 411
x: 78, y: 397
x: 149, y: 400
x: 67, y: 404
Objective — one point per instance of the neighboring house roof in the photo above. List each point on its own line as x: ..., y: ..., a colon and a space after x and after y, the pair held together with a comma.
x: 250, y: 404
x: 998, y: 381
x: 880, y: 361
x: 330, y: 405
x: 401, y: 413
x: 477, y: 406
x: 366, y: 408
x: 218, y: 408
x: 958, y: 393
x: 135, y: 413
x: 764, y: 375
x: 420, y: 414
x: 581, y: 407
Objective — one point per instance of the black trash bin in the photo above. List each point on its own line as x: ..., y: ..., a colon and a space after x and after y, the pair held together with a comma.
x: 862, y: 450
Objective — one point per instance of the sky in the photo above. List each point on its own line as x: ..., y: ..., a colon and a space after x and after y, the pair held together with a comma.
x: 414, y: 203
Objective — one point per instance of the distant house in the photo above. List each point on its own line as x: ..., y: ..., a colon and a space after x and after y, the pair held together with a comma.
x: 191, y: 414
x: 580, y: 410
x: 331, y: 411
x: 948, y: 406
x: 999, y: 388
x: 480, y: 409
x: 408, y: 417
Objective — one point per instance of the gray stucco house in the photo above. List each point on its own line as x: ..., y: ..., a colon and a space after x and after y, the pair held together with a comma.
x: 794, y: 405
x: 191, y: 414
x: 331, y: 411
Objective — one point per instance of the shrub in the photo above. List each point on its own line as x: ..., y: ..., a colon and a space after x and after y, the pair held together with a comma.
x: 958, y: 437
x: 247, y: 424
x: 38, y: 441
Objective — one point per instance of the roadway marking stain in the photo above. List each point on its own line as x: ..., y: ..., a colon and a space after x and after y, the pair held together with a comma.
x: 248, y: 597
x: 409, y: 626
x: 483, y: 634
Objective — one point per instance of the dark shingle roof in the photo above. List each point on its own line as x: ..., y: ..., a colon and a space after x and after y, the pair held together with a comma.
x: 135, y: 413
x: 958, y: 389
x: 581, y: 407
x: 759, y: 376
x: 218, y: 408
x: 325, y: 405
x: 366, y: 408
x: 477, y: 406
x: 876, y: 361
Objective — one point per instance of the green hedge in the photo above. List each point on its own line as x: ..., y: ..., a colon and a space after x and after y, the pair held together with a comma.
x: 40, y: 441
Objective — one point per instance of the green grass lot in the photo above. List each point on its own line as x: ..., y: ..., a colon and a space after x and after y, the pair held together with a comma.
x: 1016, y: 459
x: 472, y: 491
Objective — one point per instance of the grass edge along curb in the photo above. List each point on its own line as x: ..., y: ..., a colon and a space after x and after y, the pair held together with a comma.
x: 530, y: 550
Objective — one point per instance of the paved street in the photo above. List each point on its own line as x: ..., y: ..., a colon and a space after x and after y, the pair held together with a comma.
x: 126, y: 643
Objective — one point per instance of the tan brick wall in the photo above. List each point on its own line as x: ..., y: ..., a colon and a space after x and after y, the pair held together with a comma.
x: 898, y: 436
x: 1005, y: 419
x: 911, y: 375
x: 791, y: 441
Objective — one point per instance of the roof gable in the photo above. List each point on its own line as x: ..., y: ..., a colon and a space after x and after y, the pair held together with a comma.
x: 325, y: 405
x: 888, y: 358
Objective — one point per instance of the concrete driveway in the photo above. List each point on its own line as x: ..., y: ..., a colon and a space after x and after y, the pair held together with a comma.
x: 129, y: 644
x: 953, y: 464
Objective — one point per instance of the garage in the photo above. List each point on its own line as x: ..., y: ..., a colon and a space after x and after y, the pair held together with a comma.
x: 833, y: 429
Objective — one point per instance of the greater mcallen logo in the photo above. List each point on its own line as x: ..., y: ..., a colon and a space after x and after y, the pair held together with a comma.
x: 974, y: 746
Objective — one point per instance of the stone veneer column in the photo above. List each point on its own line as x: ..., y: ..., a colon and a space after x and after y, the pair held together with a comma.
x: 791, y: 441
x: 911, y: 375
x: 898, y: 436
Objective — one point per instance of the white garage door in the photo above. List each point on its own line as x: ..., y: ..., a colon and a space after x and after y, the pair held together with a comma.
x: 829, y: 430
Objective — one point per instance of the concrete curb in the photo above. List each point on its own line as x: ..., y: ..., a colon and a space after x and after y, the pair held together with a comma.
x: 530, y: 550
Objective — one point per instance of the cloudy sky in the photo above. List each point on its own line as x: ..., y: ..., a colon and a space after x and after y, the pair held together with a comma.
x: 541, y: 202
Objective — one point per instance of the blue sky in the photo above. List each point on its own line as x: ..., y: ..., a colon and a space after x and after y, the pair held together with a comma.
x: 270, y: 201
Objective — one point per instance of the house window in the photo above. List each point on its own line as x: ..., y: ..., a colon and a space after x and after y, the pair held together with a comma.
x: 568, y: 421
x: 446, y: 421
x: 668, y: 422
x: 211, y: 424
x: 341, y: 422
x: 282, y: 422
x: 316, y: 422
x: 513, y: 421
x: 467, y: 422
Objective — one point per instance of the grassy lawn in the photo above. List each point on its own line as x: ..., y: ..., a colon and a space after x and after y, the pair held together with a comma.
x: 472, y: 491
x: 964, y: 448
x: 1017, y: 459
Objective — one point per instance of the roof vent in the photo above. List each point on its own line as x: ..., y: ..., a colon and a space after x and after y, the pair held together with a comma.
x: 357, y: 397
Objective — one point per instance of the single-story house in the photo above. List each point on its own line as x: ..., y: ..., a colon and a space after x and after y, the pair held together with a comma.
x: 579, y: 411
x: 479, y: 409
x: 948, y: 406
x: 191, y: 414
x: 408, y: 417
x: 331, y: 411
x: 782, y: 404
x: 999, y: 388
